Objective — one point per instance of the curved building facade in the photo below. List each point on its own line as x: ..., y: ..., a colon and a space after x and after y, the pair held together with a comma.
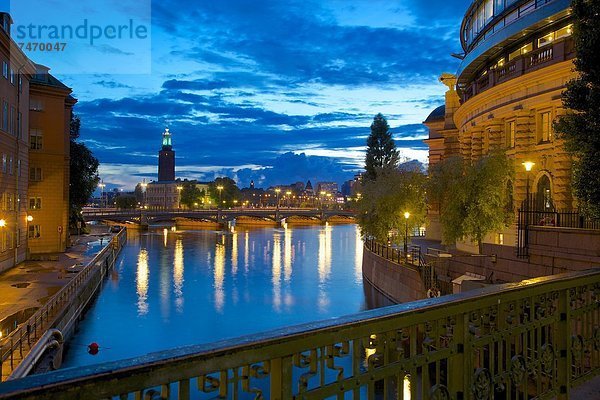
x: 518, y: 58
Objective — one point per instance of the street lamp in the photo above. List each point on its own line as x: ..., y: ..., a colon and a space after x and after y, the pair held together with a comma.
x: 220, y: 189
x: 289, y: 197
x: 277, y: 191
x: 144, y: 185
x: 30, y: 219
x: 528, y: 167
x: 406, y: 217
x: 102, y: 186
x: 179, y: 189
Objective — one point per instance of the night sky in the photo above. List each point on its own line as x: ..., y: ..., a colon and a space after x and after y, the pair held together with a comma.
x: 276, y: 91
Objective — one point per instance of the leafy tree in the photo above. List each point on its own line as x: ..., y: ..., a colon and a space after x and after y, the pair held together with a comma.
x: 381, y: 149
x: 472, y: 198
x: 83, y: 173
x: 126, y: 202
x: 229, y: 193
x: 580, y: 128
x: 139, y: 193
x: 384, y: 201
x: 190, y: 194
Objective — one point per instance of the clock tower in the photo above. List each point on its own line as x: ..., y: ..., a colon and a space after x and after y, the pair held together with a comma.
x: 166, y: 159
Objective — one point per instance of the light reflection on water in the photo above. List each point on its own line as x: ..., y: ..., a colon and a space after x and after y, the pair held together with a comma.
x: 181, y: 288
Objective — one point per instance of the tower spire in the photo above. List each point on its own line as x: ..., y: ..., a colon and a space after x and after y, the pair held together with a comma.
x: 166, y: 139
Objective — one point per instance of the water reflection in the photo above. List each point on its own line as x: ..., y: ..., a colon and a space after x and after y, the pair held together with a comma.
x: 142, y: 282
x: 358, y: 255
x: 287, y: 255
x: 234, y: 252
x: 276, y: 271
x: 178, y: 269
x: 187, y: 293
x: 219, y: 272
x: 324, y: 253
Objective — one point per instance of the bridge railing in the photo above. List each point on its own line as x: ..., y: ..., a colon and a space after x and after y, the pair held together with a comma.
x: 16, y: 345
x: 532, y: 339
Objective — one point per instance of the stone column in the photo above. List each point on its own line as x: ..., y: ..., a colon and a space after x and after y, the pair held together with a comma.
x: 476, y: 143
x: 524, y: 142
x: 563, y: 194
x: 496, y: 134
x: 465, y: 145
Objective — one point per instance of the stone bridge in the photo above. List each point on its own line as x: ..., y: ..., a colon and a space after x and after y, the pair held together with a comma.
x: 276, y: 215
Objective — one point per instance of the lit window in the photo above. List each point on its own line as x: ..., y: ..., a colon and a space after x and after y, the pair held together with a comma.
x: 523, y: 50
x: 36, y: 104
x: 545, y: 40
x: 563, y: 32
x: 34, y: 232
x: 545, y: 127
x: 35, y: 203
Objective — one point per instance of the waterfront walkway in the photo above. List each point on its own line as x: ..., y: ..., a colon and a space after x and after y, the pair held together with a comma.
x: 30, y: 284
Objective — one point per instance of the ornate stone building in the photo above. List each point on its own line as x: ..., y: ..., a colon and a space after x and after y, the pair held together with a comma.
x: 518, y: 57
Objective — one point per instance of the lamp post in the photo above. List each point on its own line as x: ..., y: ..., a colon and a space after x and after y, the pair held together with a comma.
x: 102, y: 203
x: 528, y: 167
x: 277, y: 191
x: 30, y: 219
x: 179, y: 189
x: 406, y: 217
x: 323, y: 193
x: 145, y: 186
x: 220, y: 189
x: 288, y: 195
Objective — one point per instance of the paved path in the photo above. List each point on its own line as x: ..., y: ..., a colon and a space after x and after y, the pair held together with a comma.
x: 31, y: 283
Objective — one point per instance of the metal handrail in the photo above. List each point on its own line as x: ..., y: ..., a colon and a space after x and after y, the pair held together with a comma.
x: 29, y: 331
x: 517, y: 340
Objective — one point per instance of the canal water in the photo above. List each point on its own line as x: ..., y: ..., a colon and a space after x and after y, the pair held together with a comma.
x: 171, y: 289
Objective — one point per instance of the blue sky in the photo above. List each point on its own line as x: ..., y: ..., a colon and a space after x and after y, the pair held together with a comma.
x: 270, y: 90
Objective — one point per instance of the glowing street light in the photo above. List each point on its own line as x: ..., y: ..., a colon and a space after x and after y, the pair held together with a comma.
x: 277, y: 191
x: 179, y: 189
x: 406, y: 217
x: 220, y: 189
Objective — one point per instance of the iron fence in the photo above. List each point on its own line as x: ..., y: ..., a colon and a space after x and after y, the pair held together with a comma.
x: 540, y: 211
x: 535, y: 339
x: 63, y: 304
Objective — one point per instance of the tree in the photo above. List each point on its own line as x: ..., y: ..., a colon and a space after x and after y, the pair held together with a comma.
x: 580, y: 128
x: 139, y: 193
x: 83, y: 178
x: 190, y: 194
x: 384, y: 201
x: 381, y: 149
x: 229, y: 193
x: 126, y: 202
x: 472, y: 198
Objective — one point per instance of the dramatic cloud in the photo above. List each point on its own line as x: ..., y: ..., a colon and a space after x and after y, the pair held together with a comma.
x: 257, y: 90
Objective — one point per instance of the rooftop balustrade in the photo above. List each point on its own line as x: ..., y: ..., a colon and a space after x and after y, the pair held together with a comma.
x: 559, y: 51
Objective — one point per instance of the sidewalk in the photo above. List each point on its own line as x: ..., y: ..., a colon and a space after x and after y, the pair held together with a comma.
x: 30, y: 284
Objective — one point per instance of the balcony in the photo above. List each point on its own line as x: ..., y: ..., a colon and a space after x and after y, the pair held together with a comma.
x: 533, y: 339
x: 559, y: 51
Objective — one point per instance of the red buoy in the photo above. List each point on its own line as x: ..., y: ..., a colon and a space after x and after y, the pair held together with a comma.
x: 93, y: 348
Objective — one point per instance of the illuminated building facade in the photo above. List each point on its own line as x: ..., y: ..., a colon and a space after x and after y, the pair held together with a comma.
x: 35, y: 111
x: 518, y: 58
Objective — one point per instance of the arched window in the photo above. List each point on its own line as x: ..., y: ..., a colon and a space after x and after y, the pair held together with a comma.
x: 544, y: 194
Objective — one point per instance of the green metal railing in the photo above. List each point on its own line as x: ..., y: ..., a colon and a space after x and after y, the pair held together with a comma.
x: 60, y: 309
x: 533, y: 339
